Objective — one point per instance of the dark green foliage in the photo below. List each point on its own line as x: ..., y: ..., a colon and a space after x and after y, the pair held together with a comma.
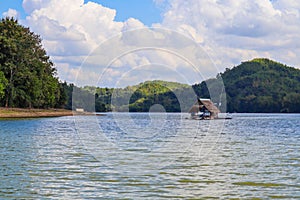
x: 149, y: 94
x: 3, y: 84
x: 173, y: 97
x: 103, y: 99
x: 143, y: 97
x: 30, y: 74
x: 66, y: 91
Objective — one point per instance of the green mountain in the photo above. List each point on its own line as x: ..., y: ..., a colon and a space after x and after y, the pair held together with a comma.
x: 259, y: 85
x: 142, y: 97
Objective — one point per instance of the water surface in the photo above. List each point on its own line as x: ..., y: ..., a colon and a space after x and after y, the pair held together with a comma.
x: 150, y: 156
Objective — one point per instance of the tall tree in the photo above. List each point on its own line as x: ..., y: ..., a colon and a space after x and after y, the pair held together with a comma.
x: 31, y: 77
x: 3, y: 83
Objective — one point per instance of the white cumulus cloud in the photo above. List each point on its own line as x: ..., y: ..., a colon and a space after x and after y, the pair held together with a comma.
x: 71, y: 29
x: 11, y: 13
x: 229, y: 31
x: 233, y: 31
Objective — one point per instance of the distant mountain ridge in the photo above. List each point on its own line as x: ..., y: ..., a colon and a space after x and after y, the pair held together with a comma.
x: 260, y: 85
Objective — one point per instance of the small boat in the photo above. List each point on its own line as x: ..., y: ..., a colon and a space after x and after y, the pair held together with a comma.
x: 205, y: 109
x: 224, y: 116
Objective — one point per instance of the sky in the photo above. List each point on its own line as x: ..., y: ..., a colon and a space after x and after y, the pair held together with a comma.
x: 118, y: 43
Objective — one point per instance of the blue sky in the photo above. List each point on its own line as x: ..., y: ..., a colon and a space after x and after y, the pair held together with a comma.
x: 144, y: 10
x: 229, y: 32
x: 13, y: 4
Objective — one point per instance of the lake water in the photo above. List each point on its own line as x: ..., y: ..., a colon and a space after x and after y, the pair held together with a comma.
x: 150, y: 156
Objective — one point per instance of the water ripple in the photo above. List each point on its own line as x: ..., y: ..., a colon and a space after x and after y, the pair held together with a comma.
x: 254, y: 156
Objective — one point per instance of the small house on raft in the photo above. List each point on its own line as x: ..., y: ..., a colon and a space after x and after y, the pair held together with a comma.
x: 204, y: 109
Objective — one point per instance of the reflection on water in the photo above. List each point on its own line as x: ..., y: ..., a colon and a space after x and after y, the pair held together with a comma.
x: 152, y: 156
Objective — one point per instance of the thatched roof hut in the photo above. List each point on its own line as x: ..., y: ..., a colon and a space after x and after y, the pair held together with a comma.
x: 205, y: 104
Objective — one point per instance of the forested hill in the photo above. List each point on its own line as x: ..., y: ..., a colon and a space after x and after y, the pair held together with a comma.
x: 137, y: 98
x: 260, y: 85
x: 166, y: 94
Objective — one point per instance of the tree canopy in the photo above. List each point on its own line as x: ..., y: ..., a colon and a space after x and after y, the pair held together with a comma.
x: 3, y: 83
x: 29, y: 75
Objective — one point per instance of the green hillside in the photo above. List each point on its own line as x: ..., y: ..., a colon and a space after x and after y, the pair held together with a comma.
x: 145, y: 95
x: 260, y: 85
x: 156, y: 92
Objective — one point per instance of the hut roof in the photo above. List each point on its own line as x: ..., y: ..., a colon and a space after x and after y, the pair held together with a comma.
x: 194, y: 109
x: 209, y: 105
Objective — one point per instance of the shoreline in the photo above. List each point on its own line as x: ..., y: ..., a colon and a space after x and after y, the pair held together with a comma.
x: 6, y: 113
x: 15, y: 113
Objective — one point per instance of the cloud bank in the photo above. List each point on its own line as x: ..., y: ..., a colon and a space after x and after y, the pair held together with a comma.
x: 241, y: 30
x: 229, y: 31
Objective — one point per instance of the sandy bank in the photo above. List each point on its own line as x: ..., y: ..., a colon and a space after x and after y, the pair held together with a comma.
x: 32, y: 113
